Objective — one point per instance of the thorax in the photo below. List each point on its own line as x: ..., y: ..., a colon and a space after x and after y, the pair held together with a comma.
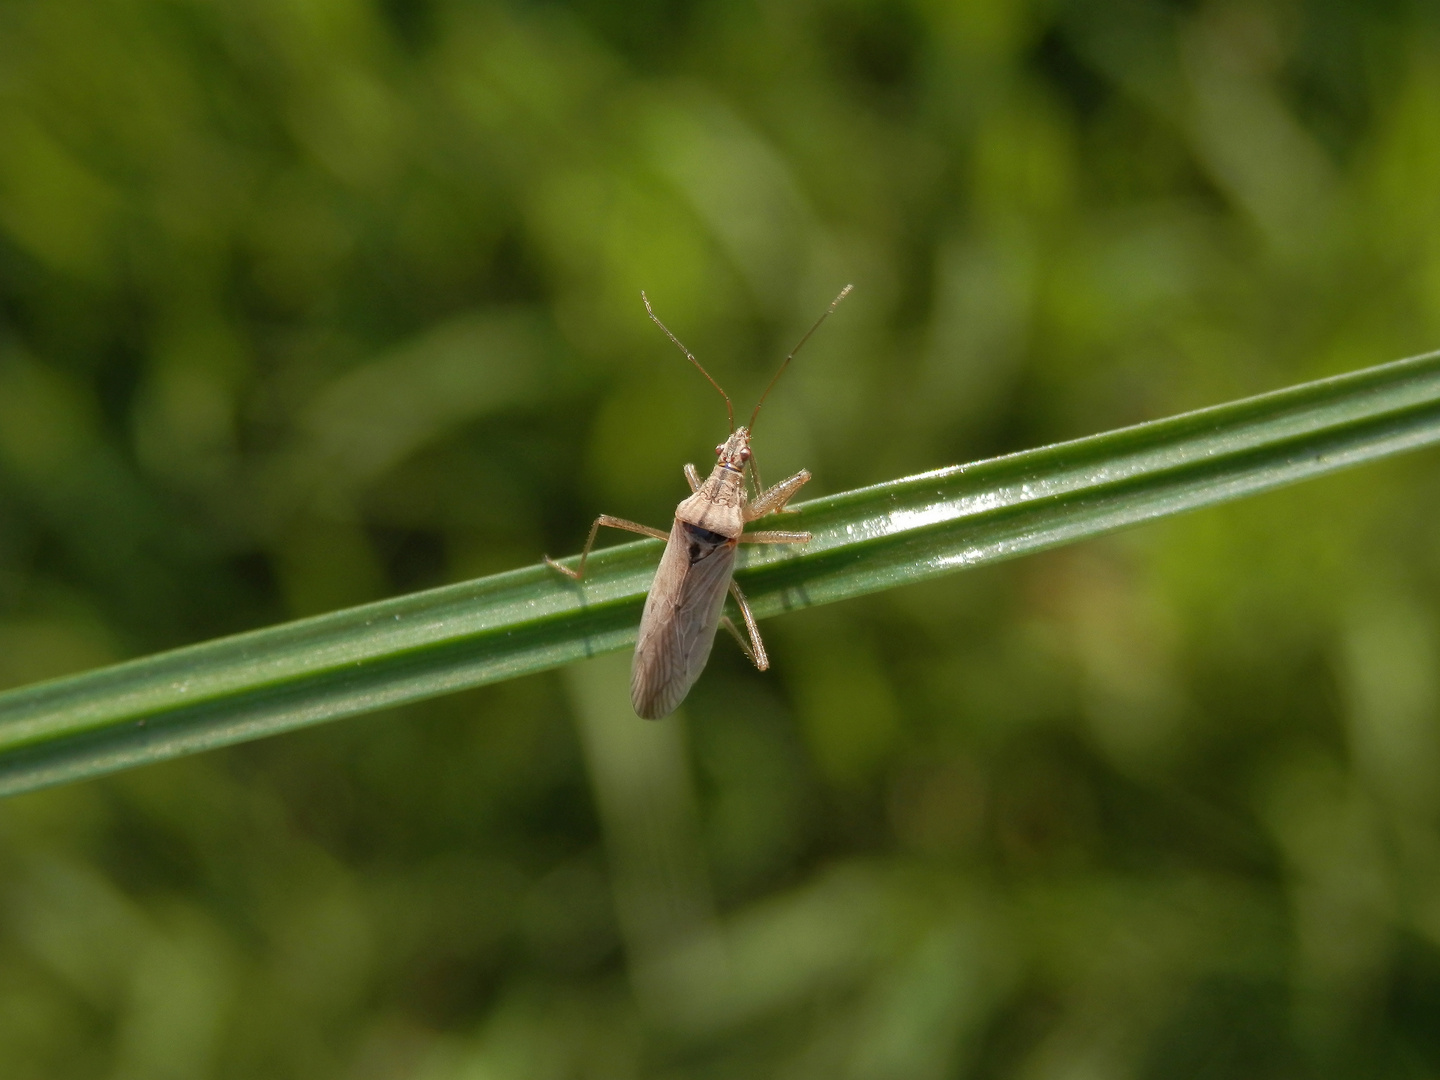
x: 719, y: 504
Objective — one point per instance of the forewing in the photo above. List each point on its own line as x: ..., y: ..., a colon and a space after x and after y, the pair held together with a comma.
x: 681, y: 615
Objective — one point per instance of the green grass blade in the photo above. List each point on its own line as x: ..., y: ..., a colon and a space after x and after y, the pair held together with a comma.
x: 528, y: 620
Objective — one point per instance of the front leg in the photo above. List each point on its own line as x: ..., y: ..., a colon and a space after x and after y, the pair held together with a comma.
x: 692, y: 478
x: 614, y: 523
x: 775, y: 499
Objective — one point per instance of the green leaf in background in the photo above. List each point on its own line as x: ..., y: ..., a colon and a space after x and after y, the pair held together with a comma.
x: 875, y: 538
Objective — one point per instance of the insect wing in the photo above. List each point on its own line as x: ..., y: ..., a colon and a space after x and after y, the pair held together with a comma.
x: 682, y: 613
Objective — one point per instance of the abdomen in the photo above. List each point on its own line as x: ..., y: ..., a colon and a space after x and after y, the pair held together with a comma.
x: 682, y: 612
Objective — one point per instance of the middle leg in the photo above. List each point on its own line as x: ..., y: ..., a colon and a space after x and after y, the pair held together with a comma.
x: 773, y: 537
x: 610, y: 522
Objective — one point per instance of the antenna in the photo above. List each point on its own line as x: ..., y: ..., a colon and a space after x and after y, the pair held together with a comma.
x: 729, y: 409
x: 786, y: 362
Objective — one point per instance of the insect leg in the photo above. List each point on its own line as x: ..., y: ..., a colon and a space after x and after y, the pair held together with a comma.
x: 755, y: 475
x: 775, y: 537
x: 777, y: 496
x: 614, y: 523
x: 739, y: 638
x: 756, y: 651
x: 692, y: 477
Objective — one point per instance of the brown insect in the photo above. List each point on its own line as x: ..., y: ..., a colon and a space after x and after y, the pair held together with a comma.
x: 683, y: 609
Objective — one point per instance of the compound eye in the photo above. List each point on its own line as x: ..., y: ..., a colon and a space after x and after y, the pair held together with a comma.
x: 745, y: 454
x: 719, y: 449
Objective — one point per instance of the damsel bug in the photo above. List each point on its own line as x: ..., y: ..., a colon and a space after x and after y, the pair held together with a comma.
x: 682, y: 611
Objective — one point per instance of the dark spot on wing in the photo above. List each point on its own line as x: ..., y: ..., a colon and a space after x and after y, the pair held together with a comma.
x: 705, y: 536
x: 703, y: 542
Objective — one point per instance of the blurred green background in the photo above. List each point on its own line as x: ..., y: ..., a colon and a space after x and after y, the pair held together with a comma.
x: 309, y: 302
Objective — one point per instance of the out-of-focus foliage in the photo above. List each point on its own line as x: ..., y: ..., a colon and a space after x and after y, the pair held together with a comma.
x: 310, y: 303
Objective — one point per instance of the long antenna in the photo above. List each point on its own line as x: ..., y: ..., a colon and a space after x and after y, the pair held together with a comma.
x: 729, y: 409
x: 786, y: 362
